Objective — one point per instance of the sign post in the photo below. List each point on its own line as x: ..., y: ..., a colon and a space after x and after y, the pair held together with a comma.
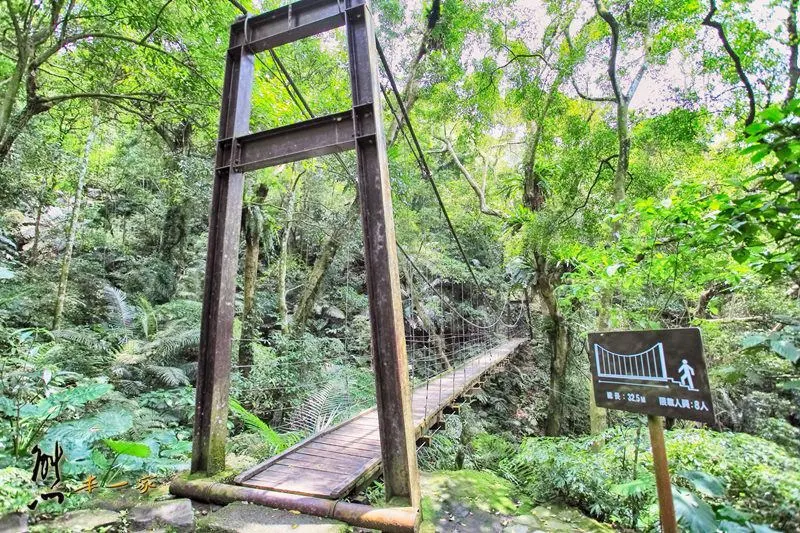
x: 666, y: 507
x: 658, y: 373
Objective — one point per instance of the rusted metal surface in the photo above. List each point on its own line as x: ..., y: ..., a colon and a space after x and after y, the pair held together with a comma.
x: 291, y: 23
x: 390, y: 519
x: 311, y: 138
x: 216, y: 328
x: 344, y: 458
x: 392, y: 389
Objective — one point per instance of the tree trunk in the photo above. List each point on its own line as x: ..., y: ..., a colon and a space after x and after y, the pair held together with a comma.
x: 794, y: 68
x: 533, y: 195
x: 72, y: 231
x: 37, y: 231
x: 434, y: 338
x: 410, y: 91
x: 559, y: 343
x: 598, y: 417
x: 528, y: 315
x: 283, y: 310
x: 305, y: 305
x: 175, y: 229
x: 253, y: 231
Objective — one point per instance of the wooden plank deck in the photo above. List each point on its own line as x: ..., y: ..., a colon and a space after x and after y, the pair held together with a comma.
x: 334, y: 462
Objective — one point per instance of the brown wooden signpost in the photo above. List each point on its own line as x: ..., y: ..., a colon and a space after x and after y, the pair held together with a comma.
x: 658, y: 373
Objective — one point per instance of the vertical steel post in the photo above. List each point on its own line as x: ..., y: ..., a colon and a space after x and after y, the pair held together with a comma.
x: 216, y: 329
x: 398, y: 449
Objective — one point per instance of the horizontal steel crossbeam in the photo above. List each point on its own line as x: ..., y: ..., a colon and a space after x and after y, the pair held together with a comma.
x: 289, y: 23
x: 311, y: 138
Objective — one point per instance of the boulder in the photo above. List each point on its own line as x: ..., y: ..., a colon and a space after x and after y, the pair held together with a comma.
x: 175, y: 514
x: 14, y: 523
x: 85, y: 520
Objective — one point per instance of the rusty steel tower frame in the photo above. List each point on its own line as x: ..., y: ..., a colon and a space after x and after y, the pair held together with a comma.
x: 239, y: 151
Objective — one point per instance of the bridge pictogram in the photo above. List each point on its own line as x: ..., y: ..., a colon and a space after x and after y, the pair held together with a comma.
x: 646, y: 368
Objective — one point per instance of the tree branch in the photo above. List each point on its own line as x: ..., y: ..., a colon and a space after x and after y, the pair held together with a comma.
x: 603, y: 163
x: 480, y: 192
x: 590, y: 98
x: 613, y: 25
x: 737, y: 62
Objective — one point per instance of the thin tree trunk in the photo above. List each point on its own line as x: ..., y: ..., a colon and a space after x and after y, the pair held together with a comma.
x: 410, y: 91
x: 72, y: 231
x: 313, y: 285
x: 253, y: 231
x: 737, y: 61
x: 434, y: 338
x: 533, y: 195
x: 37, y: 230
x: 528, y: 311
x: 283, y: 310
x: 794, y: 68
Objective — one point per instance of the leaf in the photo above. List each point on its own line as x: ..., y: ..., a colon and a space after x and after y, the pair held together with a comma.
x: 6, y: 273
x: 786, y: 349
x: 740, y: 254
x: 632, y: 488
x: 126, y: 447
x: 731, y: 513
x: 251, y: 421
x: 693, y: 514
x: 118, y: 307
x: 73, y: 397
x: 733, y: 527
x: 750, y: 341
x: 705, y: 483
x: 790, y: 385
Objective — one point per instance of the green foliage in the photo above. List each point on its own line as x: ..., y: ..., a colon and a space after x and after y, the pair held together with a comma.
x: 697, y: 516
x: 125, y: 447
x: 276, y: 442
x: 16, y: 490
x: 737, y: 472
x: 765, y: 217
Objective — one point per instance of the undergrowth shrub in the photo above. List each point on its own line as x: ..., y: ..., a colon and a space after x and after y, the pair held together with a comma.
x: 761, y: 477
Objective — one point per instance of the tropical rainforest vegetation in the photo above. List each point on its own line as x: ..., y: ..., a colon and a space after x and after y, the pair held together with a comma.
x: 615, y: 164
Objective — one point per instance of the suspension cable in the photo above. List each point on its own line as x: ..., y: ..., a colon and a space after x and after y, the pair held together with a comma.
x: 426, y: 171
x: 419, y: 155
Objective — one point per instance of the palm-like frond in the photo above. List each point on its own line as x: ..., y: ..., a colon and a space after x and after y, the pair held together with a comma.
x: 320, y: 410
x: 169, y: 375
x: 129, y: 353
x: 170, y: 343
x: 119, y: 311
x: 147, y: 318
x: 82, y: 337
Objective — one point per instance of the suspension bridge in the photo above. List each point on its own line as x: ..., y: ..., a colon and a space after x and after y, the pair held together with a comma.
x: 420, y: 368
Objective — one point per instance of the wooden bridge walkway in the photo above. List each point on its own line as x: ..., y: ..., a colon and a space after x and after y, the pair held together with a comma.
x: 334, y: 462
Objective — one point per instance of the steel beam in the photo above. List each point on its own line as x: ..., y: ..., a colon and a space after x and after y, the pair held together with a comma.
x: 216, y: 327
x: 311, y: 138
x: 289, y: 23
x: 398, y: 449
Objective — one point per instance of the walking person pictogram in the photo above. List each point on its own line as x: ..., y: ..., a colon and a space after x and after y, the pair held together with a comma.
x: 686, y: 372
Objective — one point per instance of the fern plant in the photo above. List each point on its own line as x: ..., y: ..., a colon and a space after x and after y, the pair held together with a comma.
x: 277, y: 442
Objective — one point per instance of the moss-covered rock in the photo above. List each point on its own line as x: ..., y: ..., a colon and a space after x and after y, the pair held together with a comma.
x: 468, y: 500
